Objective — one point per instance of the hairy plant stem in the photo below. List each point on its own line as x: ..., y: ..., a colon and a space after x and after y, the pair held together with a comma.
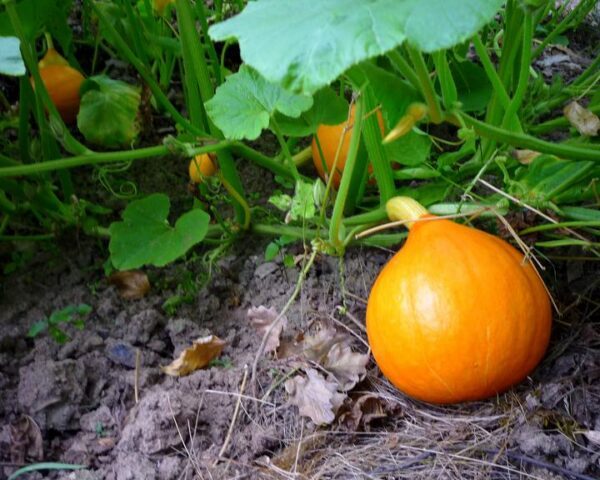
x: 525, y: 141
x: 404, y: 68
x: 426, y: 85
x: 340, y: 201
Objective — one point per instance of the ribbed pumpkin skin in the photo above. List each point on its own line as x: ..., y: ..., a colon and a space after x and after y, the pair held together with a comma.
x: 456, y: 316
x: 63, y: 84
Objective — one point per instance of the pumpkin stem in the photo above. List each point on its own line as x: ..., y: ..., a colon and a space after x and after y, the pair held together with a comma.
x: 405, y: 209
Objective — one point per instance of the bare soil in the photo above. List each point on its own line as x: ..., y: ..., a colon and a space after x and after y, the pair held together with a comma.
x: 75, y: 403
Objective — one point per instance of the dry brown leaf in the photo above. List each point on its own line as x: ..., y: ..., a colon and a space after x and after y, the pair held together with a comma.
x: 262, y: 318
x: 365, y: 410
x: 525, y: 157
x: 316, y: 347
x: 132, y: 284
x: 315, y: 397
x: 26, y: 442
x: 202, y: 351
x: 582, y: 119
x: 347, y: 367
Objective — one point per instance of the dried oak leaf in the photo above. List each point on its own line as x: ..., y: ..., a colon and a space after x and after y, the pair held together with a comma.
x: 365, y: 410
x: 346, y: 366
x: 582, y: 119
x: 25, y: 440
x: 202, y: 351
x: 317, y: 346
x: 262, y: 318
x: 315, y: 397
x: 132, y: 284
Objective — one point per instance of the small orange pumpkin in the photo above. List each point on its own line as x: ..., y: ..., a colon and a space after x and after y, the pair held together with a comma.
x: 329, y: 139
x: 201, y: 166
x: 457, y: 314
x: 62, y: 82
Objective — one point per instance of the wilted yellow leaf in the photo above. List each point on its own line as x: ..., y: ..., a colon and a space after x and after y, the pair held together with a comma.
x: 202, y: 351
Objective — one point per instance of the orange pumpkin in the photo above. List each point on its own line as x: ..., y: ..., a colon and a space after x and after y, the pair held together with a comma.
x: 63, y: 83
x: 201, y: 166
x: 329, y: 139
x: 457, y: 314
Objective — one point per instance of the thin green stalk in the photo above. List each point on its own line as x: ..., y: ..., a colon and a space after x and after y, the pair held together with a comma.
x: 426, y: 85
x: 510, y: 115
x: 240, y: 200
x: 102, y: 157
x: 284, y: 148
x: 557, y: 123
x: 279, y: 230
x: 190, y: 35
x: 490, y: 71
x: 449, y: 91
x: 212, y: 53
x: 376, y: 153
x: 142, y: 69
x: 26, y: 238
x: 338, y: 207
x: 525, y: 141
x: 556, y: 226
x: 261, y: 160
x: 196, y: 74
x: 404, y: 68
x: 25, y: 96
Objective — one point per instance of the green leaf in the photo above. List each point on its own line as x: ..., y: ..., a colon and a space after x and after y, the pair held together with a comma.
x: 303, y: 202
x: 37, y: 328
x: 411, y: 149
x: 306, y: 44
x: 473, y: 86
x: 58, y: 335
x: 393, y: 93
x: 580, y: 213
x: 11, y: 61
x: 38, y: 16
x: 243, y: 106
x: 108, y: 112
x: 281, y: 201
x: 328, y: 109
x: 144, y: 237
x: 428, y: 193
x: 271, y: 251
x: 547, y: 177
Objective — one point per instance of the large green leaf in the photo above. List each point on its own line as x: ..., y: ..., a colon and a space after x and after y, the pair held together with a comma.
x: 108, y: 112
x: 243, y: 106
x: 328, y: 109
x: 411, y: 149
x: 144, y: 237
x: 11, y: 61
x: 306, y: 44
x: 473, y: 85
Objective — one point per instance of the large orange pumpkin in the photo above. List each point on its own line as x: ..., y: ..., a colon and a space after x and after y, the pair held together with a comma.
x: 329, y: 139
x: 63, y: 83
x: 457, y: 314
